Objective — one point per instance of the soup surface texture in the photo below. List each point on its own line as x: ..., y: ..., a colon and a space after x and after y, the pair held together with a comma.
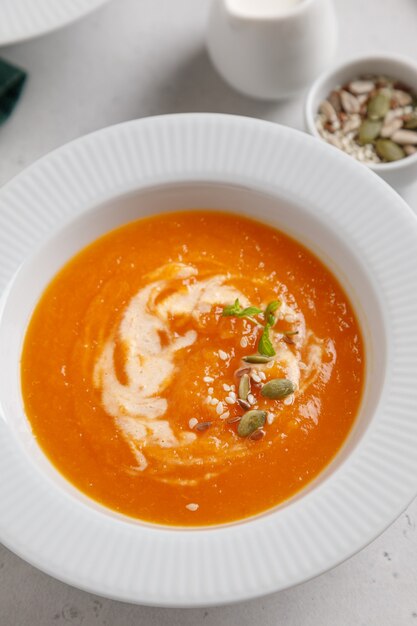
x: 133, y: 363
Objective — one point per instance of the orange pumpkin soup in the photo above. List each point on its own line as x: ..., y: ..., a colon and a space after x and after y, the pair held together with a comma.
x: 192, y: 368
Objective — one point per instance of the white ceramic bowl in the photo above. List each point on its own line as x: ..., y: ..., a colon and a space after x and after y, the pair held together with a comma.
x: 398, y: 173
x: 24, y: 19
x: 356, y: 224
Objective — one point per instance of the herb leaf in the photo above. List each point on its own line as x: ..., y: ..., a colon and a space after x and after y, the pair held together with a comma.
x: 265, y: 346
x: 236, y: 310
x: 232, y: 309
x: 271, y: 308
x: 250, y: 310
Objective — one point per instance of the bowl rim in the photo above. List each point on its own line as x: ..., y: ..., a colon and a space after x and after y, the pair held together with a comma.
x: 47, y: 21
x: 310, y: 110
x: 229, y: 563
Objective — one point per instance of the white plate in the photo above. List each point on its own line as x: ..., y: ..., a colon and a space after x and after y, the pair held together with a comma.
x: 24, y: 19
x: 347, y: 215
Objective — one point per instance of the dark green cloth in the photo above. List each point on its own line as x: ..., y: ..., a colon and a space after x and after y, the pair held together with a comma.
x: 12, y: 80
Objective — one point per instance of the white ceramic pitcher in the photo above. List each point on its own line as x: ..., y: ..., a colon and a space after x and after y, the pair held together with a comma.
x: 271, y: 49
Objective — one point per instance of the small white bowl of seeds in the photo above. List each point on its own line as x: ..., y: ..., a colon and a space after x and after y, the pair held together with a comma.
x: 367, y: 107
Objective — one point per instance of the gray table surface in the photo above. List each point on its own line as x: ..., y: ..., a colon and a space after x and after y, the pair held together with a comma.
x: 135, y: 58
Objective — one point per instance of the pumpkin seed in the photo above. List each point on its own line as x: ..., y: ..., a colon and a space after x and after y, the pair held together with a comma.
x: 368, y: 131
x: 251, y: 421
x: 378, y: 106
x: 388, y: 150
x: 244, y: 387
x: 277, y: 388
x: 257, y: 358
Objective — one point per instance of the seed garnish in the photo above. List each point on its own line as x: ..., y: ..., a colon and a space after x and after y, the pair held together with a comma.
x: 202, y: 426
x: 233, y: 420
x: 370, y: 124
x: 242, y: 370
x: 257, y: 358
x: 265, y: 346
x: 251, y: 399
x: 244, y: 387
x: 251, y: 421
x: 243, y: 404
x: 277, y: 388
x: 257, y: 434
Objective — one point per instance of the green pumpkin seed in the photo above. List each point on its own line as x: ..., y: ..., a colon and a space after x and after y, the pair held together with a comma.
x: 257, y: 358
x: 368, y: 131
x: 244, y: 387
x: 277, y: 388
x: 251, y: 421
x: 378, y: 106
x: 388, y: 150
x: 411, y: 124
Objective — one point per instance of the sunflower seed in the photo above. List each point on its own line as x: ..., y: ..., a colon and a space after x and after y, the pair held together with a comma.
x: 233, y: 420
x: 203, y: 426
x: 359, y: 87
x: 390, y: 126
x: 350, y: 104
x: 409, y: 150
x: 405, y: 137
x: 402, y: 97
x: 241, y: 371
x: 327, y: 109
x: 352, y: 123
x: 257, y: 434
x: 334, y: 100
x: 243, y: 404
